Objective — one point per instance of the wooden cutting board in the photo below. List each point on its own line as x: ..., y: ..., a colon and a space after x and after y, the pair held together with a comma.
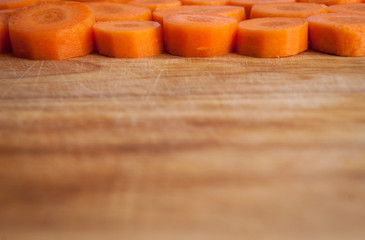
x: 173, y: 148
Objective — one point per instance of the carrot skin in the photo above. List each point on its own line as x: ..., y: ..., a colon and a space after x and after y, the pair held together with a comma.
x: 338, y: 33
x: 128, y: 39
x: 272, y: 37
x: 189, y: 35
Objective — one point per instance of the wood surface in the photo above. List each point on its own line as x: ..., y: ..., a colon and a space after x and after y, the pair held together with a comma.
x: 172, y: 148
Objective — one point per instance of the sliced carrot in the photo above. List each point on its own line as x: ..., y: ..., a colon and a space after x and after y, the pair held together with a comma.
x: 352, y: 8
x: 128, y: 39
x: 109, y: 11
x: 338, y: 33
x: 4, y: 34
x: 52, y: 30
x: 6, y: 4
x: 331, y: 2
x: 191, y: 35
x: 302, y: 10
x: 272, y: 37
x: 247, y: 4
x: 8, y: 11
x: 204, y: 2
x: 228, y: 11
x: 153, y: 4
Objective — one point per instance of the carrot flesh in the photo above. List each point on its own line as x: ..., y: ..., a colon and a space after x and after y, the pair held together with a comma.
x: 52, y: 30
x: 331, y: 2
x: 228, y: 11
x: 272, y: 37
x: 9, y: 4
x: 153, y: 4
x: 190, y: 35
x: 302, y: 10
x: 4, y: 34
x: 247, y: 4
x: 338, y: 33
x: 128, y: 39
x: 204, y: 2
x: 116, y: 1
x: 110, y: 11
x: 8, y: 11
x: 352, y: 8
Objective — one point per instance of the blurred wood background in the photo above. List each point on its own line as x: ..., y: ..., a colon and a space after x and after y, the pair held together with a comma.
x: 177, y: 148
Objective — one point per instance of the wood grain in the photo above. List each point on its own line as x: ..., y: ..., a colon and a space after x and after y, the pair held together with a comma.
x: 177, y: 148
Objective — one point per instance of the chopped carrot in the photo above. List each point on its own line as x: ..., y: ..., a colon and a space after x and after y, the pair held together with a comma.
x: 272, y: 37
x: 302, y: 10
x: 352, y: 8
x: 204, y: 2
x: 4, y: 34
x: 6, y: 4
x: 52, y: 30
x: 153, y: 4
x: 338, y: 33
x: 8, y: 11
x: 228, y: 11
x: 128, y: 39
x: 109, y: 11
x: 331, y: 2
x: 247, y: 4
x: 189, y: 35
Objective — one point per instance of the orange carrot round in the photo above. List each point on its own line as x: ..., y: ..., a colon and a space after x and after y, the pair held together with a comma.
x: 228, y: 11
x: 52, y: 30
x: 352, y: 8
x: 190, y: 35
x: 338, y: 33
x: 272, y: 37
x: 128, y: 39
x: 331, y: 2
x: 204, y: 2
x: 6, y: 4
x: 109, y: 11
x: 4, y: 34
x: 247, y: 4
x: 153, y: 4
x: 302, y: 10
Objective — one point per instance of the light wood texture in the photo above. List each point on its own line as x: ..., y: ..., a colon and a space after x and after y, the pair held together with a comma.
x: 169, y: 148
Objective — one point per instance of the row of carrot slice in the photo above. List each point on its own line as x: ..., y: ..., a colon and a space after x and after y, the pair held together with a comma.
x: 60, y: 30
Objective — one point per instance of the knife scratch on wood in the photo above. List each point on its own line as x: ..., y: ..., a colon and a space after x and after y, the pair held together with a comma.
x: 10, y: 88
x: 35, y: 82
x: 156, y: 81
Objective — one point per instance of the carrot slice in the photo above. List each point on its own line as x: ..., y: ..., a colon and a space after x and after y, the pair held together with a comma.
x: 190, y: 35
x: 331, y: 2
x: 302, y: 10
x: 204, y: 2
x: 153, y: 4
x: 8, y: 11
x: 338, y: 33
x: 272, y: 37
x: 4, y: 34
x: 128, y: 39
x: 109, y: 11
x: 247, y: 4
x: 6, y: 4
x: 228, y: 11
x: 352, y: 8
x: 52, y: 30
